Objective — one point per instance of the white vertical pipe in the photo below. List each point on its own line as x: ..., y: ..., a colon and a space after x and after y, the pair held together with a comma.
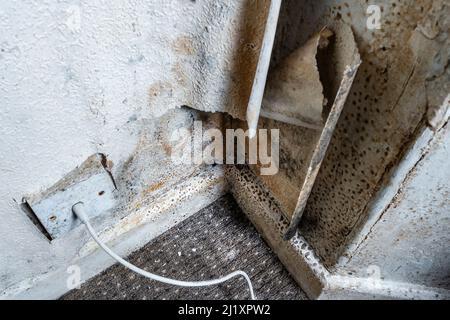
x: 259, y: 83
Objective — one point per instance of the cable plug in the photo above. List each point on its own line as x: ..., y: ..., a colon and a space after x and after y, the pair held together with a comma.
x: 78, y: 210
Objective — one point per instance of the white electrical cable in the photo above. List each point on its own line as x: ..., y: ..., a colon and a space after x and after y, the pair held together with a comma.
x: 78, y: 210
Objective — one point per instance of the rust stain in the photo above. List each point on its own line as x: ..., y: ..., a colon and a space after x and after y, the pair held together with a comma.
x: 184, y: 45
x: 180, y: 74
x: 157, y: 89
x: 109, y: 164
x: 167, y: 149
x: 154, y: 187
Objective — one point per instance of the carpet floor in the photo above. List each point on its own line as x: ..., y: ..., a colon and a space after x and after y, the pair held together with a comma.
x: 213, y: 242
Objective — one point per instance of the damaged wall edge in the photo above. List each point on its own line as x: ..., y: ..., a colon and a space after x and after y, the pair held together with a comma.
x: 296, y: 255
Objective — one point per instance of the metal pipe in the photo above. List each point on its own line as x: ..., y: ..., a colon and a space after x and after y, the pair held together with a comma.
x: 259, y: 83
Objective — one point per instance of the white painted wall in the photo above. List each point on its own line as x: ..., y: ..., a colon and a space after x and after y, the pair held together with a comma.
x: 69, y: 90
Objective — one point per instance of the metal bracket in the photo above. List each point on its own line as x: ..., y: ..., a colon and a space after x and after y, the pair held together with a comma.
x: 90, y: 183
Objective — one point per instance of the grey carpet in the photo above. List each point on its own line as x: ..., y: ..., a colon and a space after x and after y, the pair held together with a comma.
x: 215, y: 241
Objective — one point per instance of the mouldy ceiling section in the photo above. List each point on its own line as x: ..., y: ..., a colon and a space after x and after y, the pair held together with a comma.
x: 386, y: 107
